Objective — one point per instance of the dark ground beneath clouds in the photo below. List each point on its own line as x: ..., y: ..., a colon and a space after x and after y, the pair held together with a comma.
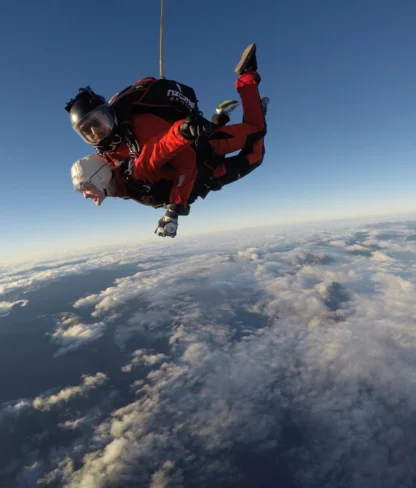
x: 271, y: 360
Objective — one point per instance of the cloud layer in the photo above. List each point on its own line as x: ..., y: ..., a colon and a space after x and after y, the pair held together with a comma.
x: 268, y: 357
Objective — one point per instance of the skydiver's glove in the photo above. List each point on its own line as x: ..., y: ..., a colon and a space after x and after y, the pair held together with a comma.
x: 168, y: 225
x: 195, y: 126
x: 215, y: 184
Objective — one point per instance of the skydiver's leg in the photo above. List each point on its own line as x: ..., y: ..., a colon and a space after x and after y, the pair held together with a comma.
x: 236, y: 167
x: 226, y: 140
x: 247, y: 137
x: 227, y: 170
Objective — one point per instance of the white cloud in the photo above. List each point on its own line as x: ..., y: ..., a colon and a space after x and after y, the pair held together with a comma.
x: 166, y: 477
x: 302, y: 346
x: 195, y: 353
x: 88, y: 383
x: 10, y: 410
x: 63, y: 470
x: 45, y: 403
x: 71, y: 333
x: 381, y: 256
x: 73, y: 424
x: 140, y: 357
x: 6, y: 307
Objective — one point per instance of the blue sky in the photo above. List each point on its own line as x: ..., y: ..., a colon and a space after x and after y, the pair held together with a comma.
x: 341, y: 123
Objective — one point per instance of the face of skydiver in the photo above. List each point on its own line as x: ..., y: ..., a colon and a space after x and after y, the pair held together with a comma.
x: 90, y: 192
x: 96, y: 126
x: 92, y: 176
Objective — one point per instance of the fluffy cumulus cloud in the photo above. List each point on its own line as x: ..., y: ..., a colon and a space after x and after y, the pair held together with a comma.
x: 284, y: 357
x: 63, y: 396
x: 71, y: 333
x: 140, y: 357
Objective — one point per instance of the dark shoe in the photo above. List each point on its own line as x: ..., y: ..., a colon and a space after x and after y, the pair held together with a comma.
x: 264, y: 102
x: 248, y: 61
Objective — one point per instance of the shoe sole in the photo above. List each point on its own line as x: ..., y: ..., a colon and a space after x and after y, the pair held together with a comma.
x: 245, y: 58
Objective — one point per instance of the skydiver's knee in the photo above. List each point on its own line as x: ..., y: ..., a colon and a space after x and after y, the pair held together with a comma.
x: 255, y: 160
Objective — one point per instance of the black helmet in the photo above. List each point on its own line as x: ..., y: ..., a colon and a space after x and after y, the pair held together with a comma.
x: 91, y: 116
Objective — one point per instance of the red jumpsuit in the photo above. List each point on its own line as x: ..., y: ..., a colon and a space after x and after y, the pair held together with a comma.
x: 249, y: 134
x: 165, y: 154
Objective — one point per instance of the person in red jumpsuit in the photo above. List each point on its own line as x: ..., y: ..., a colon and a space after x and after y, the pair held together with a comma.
x: 163, y: 151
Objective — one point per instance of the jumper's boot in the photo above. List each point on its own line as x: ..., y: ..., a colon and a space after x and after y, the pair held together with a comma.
x: 248, y: 61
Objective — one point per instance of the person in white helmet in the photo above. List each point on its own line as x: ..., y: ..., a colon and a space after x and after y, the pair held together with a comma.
x: 96, y: 180
x: 93, y: 177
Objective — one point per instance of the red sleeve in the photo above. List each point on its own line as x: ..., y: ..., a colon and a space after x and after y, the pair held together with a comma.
x: 161, y: 148
x: 171, y: 147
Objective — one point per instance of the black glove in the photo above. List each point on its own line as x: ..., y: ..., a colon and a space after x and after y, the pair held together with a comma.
x: 195, y: 126
x: 167, y: 227
x: 168, y: 224
x: 215, y: 184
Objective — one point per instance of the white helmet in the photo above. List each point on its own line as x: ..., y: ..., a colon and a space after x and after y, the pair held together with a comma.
x: 91, y: 170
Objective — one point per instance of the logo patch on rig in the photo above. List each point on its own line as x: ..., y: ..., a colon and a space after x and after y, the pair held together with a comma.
x: 177, y: 96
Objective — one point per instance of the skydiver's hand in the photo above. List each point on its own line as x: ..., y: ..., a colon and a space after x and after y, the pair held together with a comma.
x: 215, y: 184
x: 195, y: 126
x: 168, y: 225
